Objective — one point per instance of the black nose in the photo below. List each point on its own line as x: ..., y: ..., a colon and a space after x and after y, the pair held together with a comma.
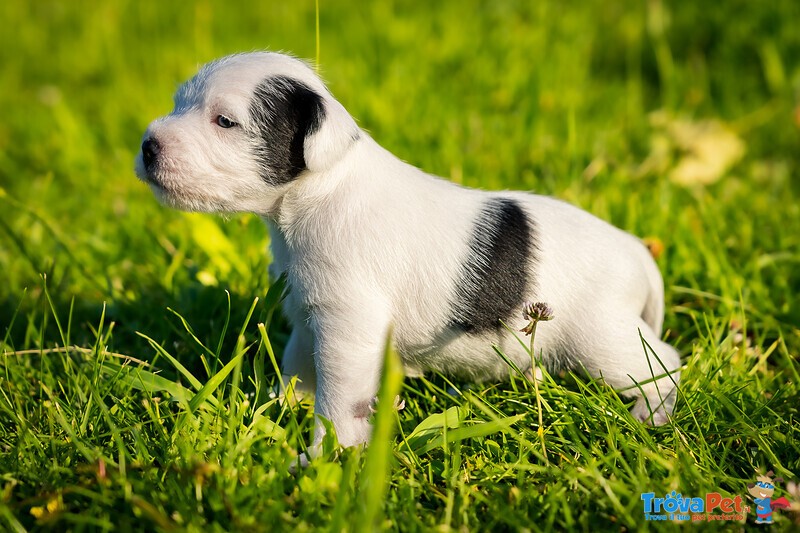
x: 150, y: 151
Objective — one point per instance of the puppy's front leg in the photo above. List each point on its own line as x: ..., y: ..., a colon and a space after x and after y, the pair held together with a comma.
x: 348, y: 359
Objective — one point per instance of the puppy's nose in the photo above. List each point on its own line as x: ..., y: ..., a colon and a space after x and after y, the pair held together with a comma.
x: 150, y: 151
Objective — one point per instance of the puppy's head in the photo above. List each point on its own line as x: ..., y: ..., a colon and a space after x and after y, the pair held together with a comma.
x: 243, y: 129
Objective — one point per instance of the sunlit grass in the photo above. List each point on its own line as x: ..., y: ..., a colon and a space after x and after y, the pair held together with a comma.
x: 140, y: 344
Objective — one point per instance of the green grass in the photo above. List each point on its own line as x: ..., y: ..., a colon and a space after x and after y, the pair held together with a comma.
x: 588, y: 101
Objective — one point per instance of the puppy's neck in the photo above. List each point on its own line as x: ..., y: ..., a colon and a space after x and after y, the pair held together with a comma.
x: 313, y: 189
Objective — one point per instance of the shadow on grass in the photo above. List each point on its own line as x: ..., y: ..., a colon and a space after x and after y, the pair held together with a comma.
x: 33, y: 321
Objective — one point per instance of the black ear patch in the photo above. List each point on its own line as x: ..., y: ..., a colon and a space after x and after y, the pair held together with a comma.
x: 284, y: 112
x: 494, y: 276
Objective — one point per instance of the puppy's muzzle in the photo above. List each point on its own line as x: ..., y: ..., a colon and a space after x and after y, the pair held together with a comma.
x: 150, y: 151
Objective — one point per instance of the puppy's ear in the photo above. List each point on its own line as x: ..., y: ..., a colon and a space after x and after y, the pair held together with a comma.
x: 337, y: 132
x: 285, y: 113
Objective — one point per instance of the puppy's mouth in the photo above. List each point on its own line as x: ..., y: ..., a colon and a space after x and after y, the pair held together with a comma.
x: 166, y: 191
x: 149, y: 175
x: 161, y: 191
x: 164, y: 194
x: 153, y: 182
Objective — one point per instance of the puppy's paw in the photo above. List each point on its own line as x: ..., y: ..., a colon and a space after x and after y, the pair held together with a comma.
x: 537, y: 375
x: 304, y: 459
x: 643, y: 413
x: 298, y: 464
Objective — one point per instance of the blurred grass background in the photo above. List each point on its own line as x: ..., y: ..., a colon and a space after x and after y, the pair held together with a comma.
x: 601, y: 103
x: 494, y: 94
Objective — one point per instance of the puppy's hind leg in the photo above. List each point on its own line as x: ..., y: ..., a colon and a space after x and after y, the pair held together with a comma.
x: 648, y: 371
x: 656, y: 400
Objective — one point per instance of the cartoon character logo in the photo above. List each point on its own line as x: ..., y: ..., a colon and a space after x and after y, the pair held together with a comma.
x: 762, y: 491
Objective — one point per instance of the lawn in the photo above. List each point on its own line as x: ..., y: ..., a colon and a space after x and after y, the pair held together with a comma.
x: 139, y: 344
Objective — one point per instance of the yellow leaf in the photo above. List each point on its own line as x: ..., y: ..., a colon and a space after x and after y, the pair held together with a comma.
x: 698, y: 152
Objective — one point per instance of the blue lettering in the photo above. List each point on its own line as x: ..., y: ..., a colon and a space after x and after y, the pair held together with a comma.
x: 647, y: 497
x: 658, y: 502
x: 671, y: 503
x: 696, y: 505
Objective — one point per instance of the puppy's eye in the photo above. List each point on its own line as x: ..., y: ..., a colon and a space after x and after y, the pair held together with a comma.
x: 224, y: 122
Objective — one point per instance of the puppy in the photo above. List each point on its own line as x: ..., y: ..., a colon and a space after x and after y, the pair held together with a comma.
x: 367, y: 240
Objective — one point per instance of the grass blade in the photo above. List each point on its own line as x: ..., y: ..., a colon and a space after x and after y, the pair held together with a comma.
x: 374, y: 477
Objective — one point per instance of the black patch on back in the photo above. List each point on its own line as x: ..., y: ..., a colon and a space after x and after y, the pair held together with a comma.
x: 284, y: 112
x: 494, y: 277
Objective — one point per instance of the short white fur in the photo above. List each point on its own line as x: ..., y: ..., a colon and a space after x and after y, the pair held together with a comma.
x: 368, y: 241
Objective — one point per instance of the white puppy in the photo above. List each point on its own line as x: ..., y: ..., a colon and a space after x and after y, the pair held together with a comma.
x: 367, y: 240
